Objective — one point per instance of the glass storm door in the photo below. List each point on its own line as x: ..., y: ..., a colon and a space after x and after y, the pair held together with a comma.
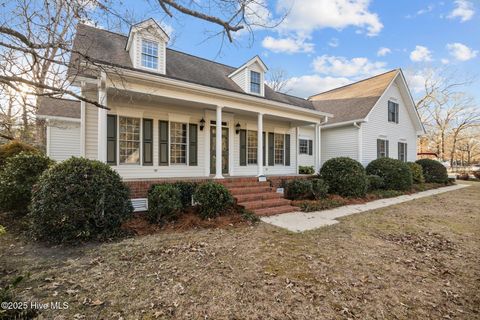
x: 213, y: 142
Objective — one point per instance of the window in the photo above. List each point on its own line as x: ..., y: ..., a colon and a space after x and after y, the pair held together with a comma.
x: 382, y: 148
x: 149, y: 54
x: 392, y: 112
x: 252, y: 147
x: 254, y: 82
x: 178, y: 143
x: 129, y: 140
x: 279, y: 144
x: 402, y: 151
x: 304, y: 146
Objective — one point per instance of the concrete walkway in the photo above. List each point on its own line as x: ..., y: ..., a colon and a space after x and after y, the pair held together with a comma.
x: 303, y: 221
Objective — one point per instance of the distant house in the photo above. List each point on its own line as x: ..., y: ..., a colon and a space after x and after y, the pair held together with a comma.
x: 168, y: 111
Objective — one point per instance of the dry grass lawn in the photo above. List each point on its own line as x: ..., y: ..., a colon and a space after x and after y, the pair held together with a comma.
x: 417, y: 260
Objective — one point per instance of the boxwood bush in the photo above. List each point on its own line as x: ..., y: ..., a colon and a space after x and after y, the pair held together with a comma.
x: 417, y: 173
x: 13, y: 148
x: 17, y: 178
x: 433, y: 171
x: 395, y: 173
x: 164, y: 203
x: 345, y: 177
x: 77, y: 200
x: 306, y: 170
x: 319, y: 189
x: 213, y: 199
x: 375, y: 182
x: 186, y: 189
x: 298, y: 189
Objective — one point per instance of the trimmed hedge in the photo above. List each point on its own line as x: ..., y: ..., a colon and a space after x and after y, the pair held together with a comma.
x: 13, y: 148
x: 319, y: 189
x: 298, y: 189
x: 186, y: 189
x: 77, y: 200
x: 17, y: 179
x: 395, y: 173
x: 375, y: 182
x: 213, y: 199
x: 306, y: 170
x: 345, y: 177
x: 433, y: 171
x: 164, y: 203
x: 417, y: 172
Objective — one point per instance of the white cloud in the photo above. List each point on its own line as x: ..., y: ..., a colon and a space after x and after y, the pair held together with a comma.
x: 445, y: 61
x: 461, y: 52
x: 420, y: 12
x: 383, y: 51
x: 421, y: 53
x: 463, y: 10
x: 287, y: 45
x: 305, y: 86
x: 305, y: 16
x: 416, y: 79
x: 343, y: 67
x: 334, y: 42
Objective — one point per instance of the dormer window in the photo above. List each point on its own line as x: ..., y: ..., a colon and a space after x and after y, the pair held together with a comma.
x: 149, y: 54
x: 254, y: 82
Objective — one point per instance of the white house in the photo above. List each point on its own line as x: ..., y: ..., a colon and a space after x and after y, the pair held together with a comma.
x: 163, y: 109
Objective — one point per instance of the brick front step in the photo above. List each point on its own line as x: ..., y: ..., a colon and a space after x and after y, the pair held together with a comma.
x: 257, y: 196
x: 270, y: 203
x: 249, y: 190
x: 235, y: 184
x: 275, y: 210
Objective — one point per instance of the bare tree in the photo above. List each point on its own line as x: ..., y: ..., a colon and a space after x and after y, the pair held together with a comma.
x: 278, y: 80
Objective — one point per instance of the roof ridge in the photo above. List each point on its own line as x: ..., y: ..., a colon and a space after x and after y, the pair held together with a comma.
x: 101, y: 29
x: 353, y: 83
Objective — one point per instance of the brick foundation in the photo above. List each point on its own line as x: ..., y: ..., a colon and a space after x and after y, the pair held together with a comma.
x: 139, y: 188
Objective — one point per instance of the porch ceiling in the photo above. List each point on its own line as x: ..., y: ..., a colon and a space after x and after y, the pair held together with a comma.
x: 132, y: 97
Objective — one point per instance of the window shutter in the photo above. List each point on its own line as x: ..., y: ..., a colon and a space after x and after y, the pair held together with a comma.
x: 378, y: 147
x: 264, y: 148
x: 389, y: 112
x: 192, y: 144
x: 147, y: 142
x: 310, y: 147
x: 112, y: 139
x: 163, y: 143
x: 399, y: 151
x: 243, y: 147
x: 386, y: 149
x: 396, y: 113
x: 287, y: 149
x: 405, y: 152
x: 271, y: 149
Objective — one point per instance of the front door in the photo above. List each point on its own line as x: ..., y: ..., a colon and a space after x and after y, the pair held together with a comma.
x: 213, y: 142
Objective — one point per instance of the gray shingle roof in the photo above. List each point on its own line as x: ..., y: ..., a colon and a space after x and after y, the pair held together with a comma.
x: 107, y: 47
x: 56, y: 107
x: 353, y: 101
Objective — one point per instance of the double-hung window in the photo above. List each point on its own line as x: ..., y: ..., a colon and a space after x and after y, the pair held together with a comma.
x: 392, y: 112
x: 382, y: 148
x: 149, y: 54
x: 129, y: 140
x: 304, y: 146
x: 254, y: 82
x: 402, y: 151
x: 279, y: 151
x: 178, y: 143
x: 252, y: 147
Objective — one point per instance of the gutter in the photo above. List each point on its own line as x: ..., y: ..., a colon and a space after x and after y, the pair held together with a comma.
x: 355, y: 123
x: 46, y: 117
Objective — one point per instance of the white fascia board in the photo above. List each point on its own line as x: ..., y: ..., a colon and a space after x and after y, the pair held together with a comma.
x: 68, y: 119
x: 249, y: 63
x: 344, y: 123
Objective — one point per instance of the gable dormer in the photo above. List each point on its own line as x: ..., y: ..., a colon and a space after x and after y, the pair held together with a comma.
x: 146, y: 45
x: 251, y: 76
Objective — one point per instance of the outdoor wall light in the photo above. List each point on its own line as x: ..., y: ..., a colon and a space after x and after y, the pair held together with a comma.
x: 237, y: 128
x: 202, y: 124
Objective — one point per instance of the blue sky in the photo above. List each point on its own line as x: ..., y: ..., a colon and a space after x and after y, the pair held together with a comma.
x: 328, y: 43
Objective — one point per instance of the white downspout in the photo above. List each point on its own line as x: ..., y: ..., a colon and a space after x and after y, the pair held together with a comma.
x: 360, y: 141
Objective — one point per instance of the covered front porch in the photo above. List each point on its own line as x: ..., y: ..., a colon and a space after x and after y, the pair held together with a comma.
x: 176, y: 134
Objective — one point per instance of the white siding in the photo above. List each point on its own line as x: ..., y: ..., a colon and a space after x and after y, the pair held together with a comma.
x: 91, y: 132
x: 379, y: 127
x: 242, y: 78
x: 305, y: 159
x: 64, y: 140
x: 339, y: 142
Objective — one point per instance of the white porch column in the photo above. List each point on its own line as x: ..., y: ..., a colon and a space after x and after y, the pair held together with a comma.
x: 317, y: 147
x: 260, y: 144
x: 218, y: 148
x: 82, y: 123
x: 102, y: 121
